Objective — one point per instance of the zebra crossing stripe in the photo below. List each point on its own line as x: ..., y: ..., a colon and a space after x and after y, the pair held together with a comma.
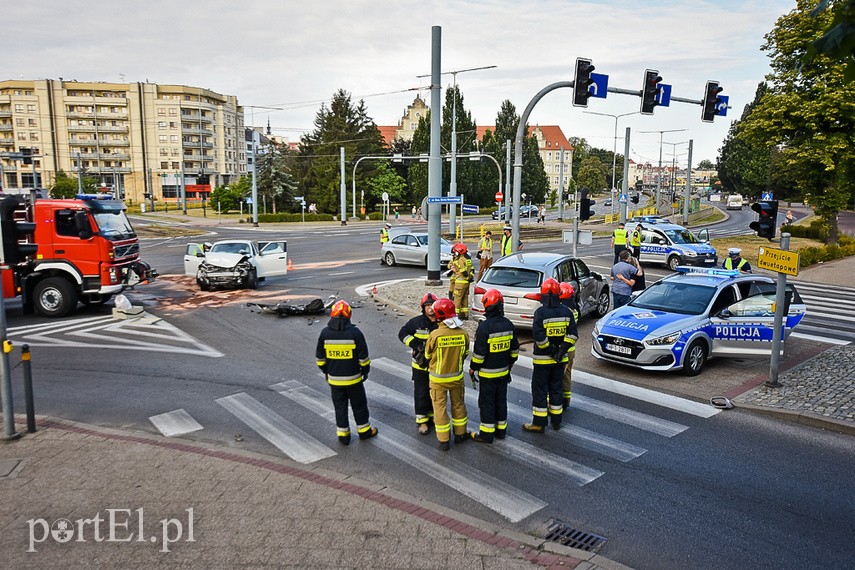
x: 288, y: 438
x: 510, y: 502
x: 176, y: 422
x: 579, y: 436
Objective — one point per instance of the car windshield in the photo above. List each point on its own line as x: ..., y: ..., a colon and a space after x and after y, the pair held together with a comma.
x: 229, y: 248
x: 682, y: 236
x: 675, y: 297
x: 512, y: 277
x: 114, y: 225
x: 423, y: 240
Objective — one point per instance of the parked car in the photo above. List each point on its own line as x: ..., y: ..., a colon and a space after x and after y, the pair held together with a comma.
x: 412, y: 248
x: 519, y: 276
x: 674, y: 245
x: 527, y: 210
x: 235, y: 263
x: 681, y: 321
x: 607, y: 202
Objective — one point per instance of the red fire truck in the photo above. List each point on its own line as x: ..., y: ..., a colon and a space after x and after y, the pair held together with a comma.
x: 87, y: 252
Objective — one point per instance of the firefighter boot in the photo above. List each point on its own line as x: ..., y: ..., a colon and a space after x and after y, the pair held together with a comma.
x: 533, y: 428
x: 480, y: 438
x: 462, y: 437
x: 368, y: 434
x: 344, y: 439
x: 500, y: 433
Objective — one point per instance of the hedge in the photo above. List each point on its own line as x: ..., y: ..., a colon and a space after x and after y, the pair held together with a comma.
x: 818, y: 230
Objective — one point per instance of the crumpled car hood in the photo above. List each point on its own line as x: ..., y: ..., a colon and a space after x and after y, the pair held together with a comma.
x: 224, y: 259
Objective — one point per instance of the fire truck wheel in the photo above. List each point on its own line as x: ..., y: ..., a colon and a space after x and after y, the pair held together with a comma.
x: 54, y: 297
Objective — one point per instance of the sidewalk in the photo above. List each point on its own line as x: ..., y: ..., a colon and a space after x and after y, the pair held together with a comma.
x: 181, y: 504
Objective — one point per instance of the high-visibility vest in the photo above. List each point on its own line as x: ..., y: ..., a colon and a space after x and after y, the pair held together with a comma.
x: 728, y: 263
x: 635, y: 239
x: 507, y: 245
x: 620, y: 236
x: 384, y: 235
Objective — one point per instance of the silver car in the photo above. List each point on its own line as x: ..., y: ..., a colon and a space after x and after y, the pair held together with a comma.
x: 412, y: 249
x: 519, y: 276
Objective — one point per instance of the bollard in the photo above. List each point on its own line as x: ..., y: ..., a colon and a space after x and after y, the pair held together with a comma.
x: 28, y: 388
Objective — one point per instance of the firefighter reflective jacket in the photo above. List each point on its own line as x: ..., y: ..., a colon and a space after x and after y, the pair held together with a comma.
x: 496, y: 345
x: 446, y: 350
x: 554, y: 331
x: 461, y: 269
x: 342, y: 353
x: 414, y: 334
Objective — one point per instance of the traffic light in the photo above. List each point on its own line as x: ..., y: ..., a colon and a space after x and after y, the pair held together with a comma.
x: 650, y: 91
x: 710, y: 108
x: 12, y: 230
x: 584, y: 205
x: 28, y: 155
x: 582, y: 82
x: 634, y: 198
x: 767, y: 214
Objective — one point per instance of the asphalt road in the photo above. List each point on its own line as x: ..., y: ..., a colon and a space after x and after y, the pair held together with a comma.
x: 664, y: 486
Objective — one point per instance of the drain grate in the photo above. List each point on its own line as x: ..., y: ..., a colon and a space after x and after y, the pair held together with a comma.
x: 563, y: 533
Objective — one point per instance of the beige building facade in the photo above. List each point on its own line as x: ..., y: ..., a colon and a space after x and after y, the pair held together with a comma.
x: 134, y: 138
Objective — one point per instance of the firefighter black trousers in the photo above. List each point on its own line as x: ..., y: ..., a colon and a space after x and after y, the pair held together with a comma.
x: 421, y: 396
x: 493, y: 406
x: 547, y: 386
x: 355, y: 394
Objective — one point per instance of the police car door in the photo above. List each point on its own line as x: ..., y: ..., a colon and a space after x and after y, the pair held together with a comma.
x: 654, y: 246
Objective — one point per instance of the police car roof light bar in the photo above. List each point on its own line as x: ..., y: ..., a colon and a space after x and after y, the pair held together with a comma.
x: 708, y: 271
x: 93, y: 196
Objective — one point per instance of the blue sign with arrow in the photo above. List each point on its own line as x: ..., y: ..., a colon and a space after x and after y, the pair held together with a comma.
x: 721, y: 105
x: 663, y: 97
x: 600, y: 86
x: 445, y: 199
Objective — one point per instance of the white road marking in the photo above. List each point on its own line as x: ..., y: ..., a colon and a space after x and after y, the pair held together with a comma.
x: 508, y: 501
x: 299, y: 278
x: 365, y: 290
x: 176, y: 422
x: 824, y: 339
x: 288, y: 438
x: 341, y: 273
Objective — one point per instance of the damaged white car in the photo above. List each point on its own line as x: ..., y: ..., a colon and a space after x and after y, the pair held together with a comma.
x: 235, y: 263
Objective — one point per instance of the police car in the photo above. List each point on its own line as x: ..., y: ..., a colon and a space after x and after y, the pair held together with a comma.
x: 695, y: 314
x: 674, y: 245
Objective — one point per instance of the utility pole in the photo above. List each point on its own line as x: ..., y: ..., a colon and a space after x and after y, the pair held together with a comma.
x: 79, y: 175
x: 659, y: 172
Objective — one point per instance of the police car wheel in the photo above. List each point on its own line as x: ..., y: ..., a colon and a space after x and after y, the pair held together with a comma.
x: 673, y: 262
x: 694, y: 358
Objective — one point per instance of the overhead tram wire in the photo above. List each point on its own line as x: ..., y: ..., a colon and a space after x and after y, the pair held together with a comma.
x: 303, y: 104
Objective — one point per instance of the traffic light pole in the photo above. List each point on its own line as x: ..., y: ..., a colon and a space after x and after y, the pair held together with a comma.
x: 6, y: 379
x: 777, y: 333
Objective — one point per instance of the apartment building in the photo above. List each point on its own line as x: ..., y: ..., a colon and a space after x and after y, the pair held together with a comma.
x: 137, y: 139
x: 550, y: 141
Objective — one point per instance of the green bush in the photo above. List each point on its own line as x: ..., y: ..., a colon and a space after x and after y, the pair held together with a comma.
x: 285, y: 217
x: 811, y: 255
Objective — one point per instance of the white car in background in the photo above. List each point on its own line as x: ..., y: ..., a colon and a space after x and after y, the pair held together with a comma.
x: 235, y: 263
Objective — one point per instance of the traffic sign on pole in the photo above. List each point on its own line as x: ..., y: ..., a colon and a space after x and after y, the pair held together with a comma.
x: 445, y: 199
x: 499, y: 196
x: 470, y: 209
x: 599, y: 87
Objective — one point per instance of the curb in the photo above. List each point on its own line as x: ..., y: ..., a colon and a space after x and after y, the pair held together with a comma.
x: 804, y: 418
x: 533, y: 549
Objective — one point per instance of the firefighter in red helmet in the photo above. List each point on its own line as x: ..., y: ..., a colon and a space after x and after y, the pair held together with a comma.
x: 462, y: 272
x: 495, y: 351
x: 342, y: 355
x: 414, y: 334
x: 567, y: 296
x: 554, y: 333
x: 446, y: 349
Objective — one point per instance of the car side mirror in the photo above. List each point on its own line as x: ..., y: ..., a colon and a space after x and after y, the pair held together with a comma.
x: 596, y: 276
x: 724, y: 314
x: 660, y: 241
x: 200, y: 254
x: 81, y: 224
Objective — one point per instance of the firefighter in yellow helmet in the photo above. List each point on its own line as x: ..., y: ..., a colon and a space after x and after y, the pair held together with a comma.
x: 446, y: 349
x: 342, y: 355
x: 462, y: 271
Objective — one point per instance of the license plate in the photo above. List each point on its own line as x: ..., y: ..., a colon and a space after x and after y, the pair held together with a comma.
x: 618, y: 349
x: 709, y: 261
x: 511, y: 300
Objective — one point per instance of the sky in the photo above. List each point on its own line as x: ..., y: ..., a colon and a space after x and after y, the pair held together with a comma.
x: 295, y: 55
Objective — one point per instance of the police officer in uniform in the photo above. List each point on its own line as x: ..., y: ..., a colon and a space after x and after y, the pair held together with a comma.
x: 446, y: 349
x: 507, y: 245
x: 494, y: 354
x: 554, y: 333
x: 384, y: 233
x: 414, y: 334
x: 734, y: 261
x: 485, y: 254
x: 619, y: 240
x: 635, y: 242
x: 567, y: 296
x: 342, y: 355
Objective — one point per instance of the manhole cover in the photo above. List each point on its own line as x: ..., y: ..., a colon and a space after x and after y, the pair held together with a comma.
x: 8, y: 466
x: 563, y: 533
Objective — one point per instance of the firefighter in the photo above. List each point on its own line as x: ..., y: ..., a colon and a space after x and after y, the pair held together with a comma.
x: 507, y: 244
x: 494, y: 354
x: 414, y: 334
x: 554, y: 333
x: 446, y: 349
x: 567, y: 296
x: 342, y: 355
x: 461, y: 269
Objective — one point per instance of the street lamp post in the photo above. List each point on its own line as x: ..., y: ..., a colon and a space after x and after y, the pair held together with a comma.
x: 659, y: 172
x: 614, y: 148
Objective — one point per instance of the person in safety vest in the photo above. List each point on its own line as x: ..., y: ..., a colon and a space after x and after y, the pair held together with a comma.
x: 619, y: 240
x: 384, y: 233
x: 554, y: 333
x: 414, y: 334
x: 635, y: 242
x: 462, y: 272
x: 446, y: 349
x: 507, y: 242
x: 567, y: 296
x: 342, y: 355
x: 734, y: 261
x: 485, y: 254
x: 494, y: 354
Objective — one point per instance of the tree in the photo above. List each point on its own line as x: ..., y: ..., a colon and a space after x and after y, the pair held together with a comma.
x: 230, y: 197
x: 705, y: 164
x: 274, y: 182
x: 317, y: 164
x: 808, y: 114
x: 386, y: 180
x: 67, y: 187
x: 591, y: 174
x: 838, y: 41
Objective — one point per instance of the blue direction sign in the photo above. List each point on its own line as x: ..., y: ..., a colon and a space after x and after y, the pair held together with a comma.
x: 445, y: 199
x: 470, y: 209
x: 664, y: 95
x: 721, y: 105
x: 600, y: 86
